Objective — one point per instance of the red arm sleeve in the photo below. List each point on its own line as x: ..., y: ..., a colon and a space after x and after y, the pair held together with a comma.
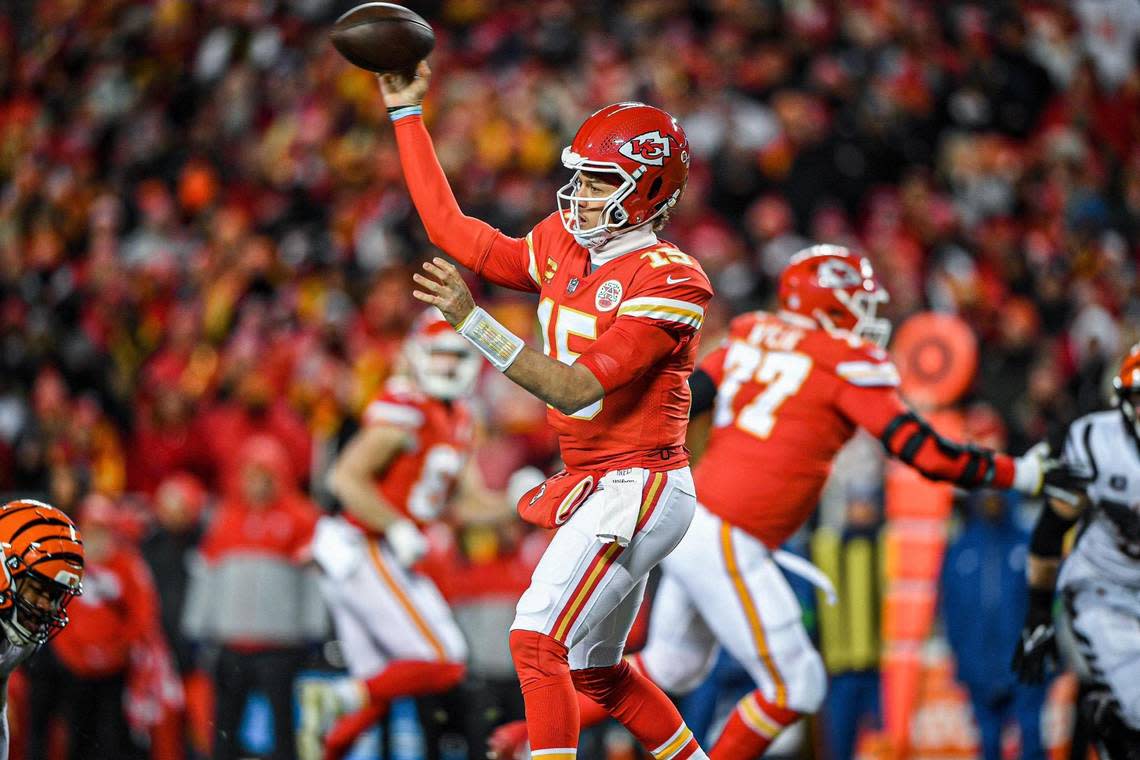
x: 880, y: 411
x: 624, y: 352
x: 499, y: 258
x: 713, y: 364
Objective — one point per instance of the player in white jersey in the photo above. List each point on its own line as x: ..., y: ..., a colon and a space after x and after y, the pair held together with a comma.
x: 41, y: 571
x: 1100, y: 580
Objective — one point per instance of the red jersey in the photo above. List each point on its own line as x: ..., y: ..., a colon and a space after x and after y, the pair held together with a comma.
x: 789, y: 395
x: 639, y: 424
x: 421, y: 478
x: 632, y: 424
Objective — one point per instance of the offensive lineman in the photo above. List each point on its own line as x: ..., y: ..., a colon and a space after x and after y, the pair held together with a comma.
x: 786, y: 392
x: 42, y: 558
x: 408, y: 464
x: 619, y: 311
x: 1100, y: 580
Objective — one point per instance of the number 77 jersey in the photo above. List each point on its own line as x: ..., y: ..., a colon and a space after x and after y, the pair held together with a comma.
x: 778, y: 419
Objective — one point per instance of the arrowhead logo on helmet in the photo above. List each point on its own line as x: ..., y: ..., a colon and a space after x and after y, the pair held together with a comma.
x: 650, y: 148
x: 642, y: 152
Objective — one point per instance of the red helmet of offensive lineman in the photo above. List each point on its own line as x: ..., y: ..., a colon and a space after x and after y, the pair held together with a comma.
x: 643, y: 150
x: 1126, y: 385
x: 442, y: 362
x: 836, y: 288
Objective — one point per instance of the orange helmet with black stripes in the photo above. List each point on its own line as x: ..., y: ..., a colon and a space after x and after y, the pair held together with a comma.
x: 1126, y: 384
x: 43, y: 570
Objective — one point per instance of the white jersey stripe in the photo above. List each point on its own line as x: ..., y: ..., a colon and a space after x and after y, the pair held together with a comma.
x: 532, y: 263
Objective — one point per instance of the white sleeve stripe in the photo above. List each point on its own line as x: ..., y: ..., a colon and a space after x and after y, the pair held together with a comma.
x: 671, y: 303
x: 393, y: 414
x: 685, y: 319
x: 532, y: 265
x: 868, y: 374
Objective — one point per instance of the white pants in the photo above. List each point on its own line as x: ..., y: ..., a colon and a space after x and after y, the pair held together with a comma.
x: 586, y: 593
x: 383, y: 612
x: 1105, y: 622
x: 722, y: 585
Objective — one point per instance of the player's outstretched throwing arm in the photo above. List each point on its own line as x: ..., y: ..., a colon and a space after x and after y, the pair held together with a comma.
x: 499, y: 258
x: 622, y: 353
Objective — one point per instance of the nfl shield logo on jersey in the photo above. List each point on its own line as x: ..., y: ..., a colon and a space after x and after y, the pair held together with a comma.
x: 608, y: 296
x: 572, y: 285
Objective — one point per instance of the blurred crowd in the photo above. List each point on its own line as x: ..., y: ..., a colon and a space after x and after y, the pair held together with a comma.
x: 205, y: 242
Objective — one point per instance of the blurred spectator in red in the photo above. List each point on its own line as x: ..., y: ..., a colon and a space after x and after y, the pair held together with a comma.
x: 81, y: 679
x: 253, y: 598
x: 164, y: 439
x: 253, y: 412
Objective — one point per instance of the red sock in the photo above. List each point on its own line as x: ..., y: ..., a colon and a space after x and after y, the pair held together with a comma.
x: 410, y: 678
x: 751, y: 728
x: 548, y: 693
x: 639, y: 705
x: 590, y: 711
x: 345, y: 731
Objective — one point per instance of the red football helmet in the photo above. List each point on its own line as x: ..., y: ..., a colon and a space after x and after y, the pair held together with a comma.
x: 443, y: 363
x: 647, y: 152
x: 837, y: 289
x: 42, y: 570
x: 1126, y: 384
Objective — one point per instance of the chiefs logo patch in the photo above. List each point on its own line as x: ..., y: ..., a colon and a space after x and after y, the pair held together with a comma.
x: 650, y: 148
x: 608, y: 295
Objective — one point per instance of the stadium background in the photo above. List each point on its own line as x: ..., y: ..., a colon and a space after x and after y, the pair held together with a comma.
x: 205, y: 255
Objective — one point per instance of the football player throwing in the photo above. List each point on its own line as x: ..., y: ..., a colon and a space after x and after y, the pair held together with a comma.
x: 786, y: 391
x: 1099, y: 582
x: 42, y: 557
x: 619, y: 312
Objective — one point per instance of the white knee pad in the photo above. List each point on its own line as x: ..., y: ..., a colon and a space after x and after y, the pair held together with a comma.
x: 807, y: 683
x: 677, y: 670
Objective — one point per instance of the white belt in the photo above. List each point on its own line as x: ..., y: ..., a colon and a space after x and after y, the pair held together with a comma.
x: 797, y: 565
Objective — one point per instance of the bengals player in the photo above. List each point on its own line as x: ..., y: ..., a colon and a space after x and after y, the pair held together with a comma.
x: 42, y: 557
x: 619, y: 311
x: 407, y: 464
x: 1100, y: 578
x: 786, y: 391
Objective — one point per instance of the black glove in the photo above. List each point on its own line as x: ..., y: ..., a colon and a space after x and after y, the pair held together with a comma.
x: 1037, y: 653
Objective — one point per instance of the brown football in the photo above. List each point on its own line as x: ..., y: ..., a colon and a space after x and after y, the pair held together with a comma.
x: 383, y: 37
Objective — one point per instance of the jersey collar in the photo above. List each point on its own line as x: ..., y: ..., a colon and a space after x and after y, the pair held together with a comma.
x: 627, y: 242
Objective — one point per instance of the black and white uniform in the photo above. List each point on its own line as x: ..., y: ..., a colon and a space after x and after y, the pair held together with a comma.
x: 1100, y: 580
x: 10, y: 658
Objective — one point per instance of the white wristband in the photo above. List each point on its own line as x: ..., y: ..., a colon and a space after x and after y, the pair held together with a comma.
x: 497, y: 343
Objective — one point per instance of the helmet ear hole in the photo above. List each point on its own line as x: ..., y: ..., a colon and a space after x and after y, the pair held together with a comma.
x: 654, y: 189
